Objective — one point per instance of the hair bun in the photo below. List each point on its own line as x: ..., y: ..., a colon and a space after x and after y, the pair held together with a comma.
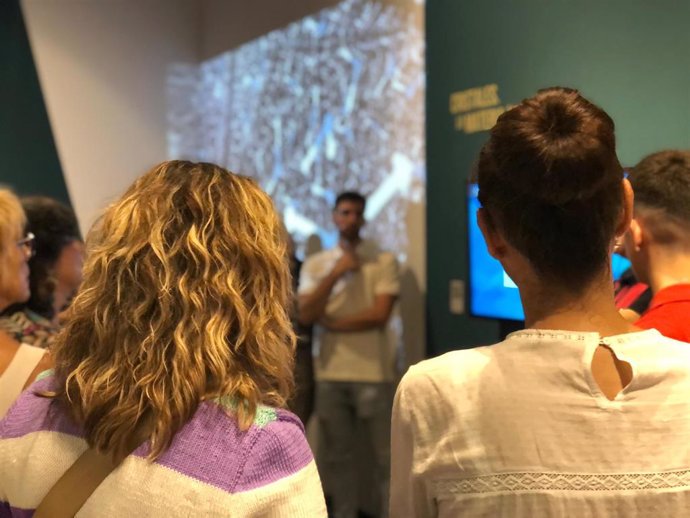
x: 559, y: 120
x: 569, y: 157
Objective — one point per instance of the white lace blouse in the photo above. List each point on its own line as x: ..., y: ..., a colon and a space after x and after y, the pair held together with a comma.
x: 521, y: 429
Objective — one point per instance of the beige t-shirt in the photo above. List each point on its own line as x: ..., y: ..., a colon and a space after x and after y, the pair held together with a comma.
x: 521, y: 429
x: 364, y: 356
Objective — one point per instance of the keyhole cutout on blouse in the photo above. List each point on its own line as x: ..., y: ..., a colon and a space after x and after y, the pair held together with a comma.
x: 611, y: 374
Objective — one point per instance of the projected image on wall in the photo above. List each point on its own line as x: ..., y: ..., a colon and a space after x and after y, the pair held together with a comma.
x: 332, y: 102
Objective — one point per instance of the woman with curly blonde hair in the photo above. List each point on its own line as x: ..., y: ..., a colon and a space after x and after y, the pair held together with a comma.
x: 177, y: 358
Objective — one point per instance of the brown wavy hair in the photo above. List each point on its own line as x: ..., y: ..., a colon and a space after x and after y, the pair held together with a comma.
x: 185, y: 297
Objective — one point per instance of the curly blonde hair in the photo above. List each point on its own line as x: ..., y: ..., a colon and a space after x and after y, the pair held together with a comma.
x: 185, y: 298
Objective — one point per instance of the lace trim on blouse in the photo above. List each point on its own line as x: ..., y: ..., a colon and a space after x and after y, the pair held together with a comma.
x: 539, y: 482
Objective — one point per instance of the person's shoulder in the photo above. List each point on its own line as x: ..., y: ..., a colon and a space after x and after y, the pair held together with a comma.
x: 670, y: 324
x: 458, y: 358
x: 33, y: 411
x: 673, y: 338
x: 282, y: 436
x: 447, y: 385
x: 267, y: 467
x: 280, y: 474
x: 279, y: 450
x: 235, y: 458
x: 318, y: 258
x: 314, y: 268
x: 386, y: 257
x: 371, y: 249
x: 449, y: 369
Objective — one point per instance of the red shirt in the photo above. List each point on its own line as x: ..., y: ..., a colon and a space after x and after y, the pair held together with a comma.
x: 669, y: 312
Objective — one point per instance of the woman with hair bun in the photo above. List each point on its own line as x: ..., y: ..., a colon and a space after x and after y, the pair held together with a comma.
x: 172, y: 369
x: 580, y: 414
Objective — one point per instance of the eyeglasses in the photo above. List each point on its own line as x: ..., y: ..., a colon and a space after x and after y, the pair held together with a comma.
x: 28, y: 244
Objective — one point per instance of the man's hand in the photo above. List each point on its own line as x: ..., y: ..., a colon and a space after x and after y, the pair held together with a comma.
x: 311, y: 307
x: 348, y: 262
x: 333, y: 324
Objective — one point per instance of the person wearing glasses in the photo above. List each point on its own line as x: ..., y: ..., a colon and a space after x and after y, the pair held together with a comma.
x: 55, y: 272
x: 19, y: 362
x: 581, y: 414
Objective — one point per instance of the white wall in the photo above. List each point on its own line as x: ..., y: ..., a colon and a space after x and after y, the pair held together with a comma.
x: 103, y: 65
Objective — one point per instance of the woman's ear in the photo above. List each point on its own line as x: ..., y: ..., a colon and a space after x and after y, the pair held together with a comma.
x: 494, y: 241
x: 627, y: 213
x: 636, y: 235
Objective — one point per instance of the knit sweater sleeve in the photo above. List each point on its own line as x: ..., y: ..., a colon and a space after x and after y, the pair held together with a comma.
x: 280, y: 472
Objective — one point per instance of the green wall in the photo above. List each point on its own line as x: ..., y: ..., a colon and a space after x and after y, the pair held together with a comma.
x: 632, y: 57
x: 28, y: 157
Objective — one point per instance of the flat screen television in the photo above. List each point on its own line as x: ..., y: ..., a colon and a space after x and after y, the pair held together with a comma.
x: 492, y: 294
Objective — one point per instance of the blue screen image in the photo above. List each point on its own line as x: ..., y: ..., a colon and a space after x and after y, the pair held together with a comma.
x: 492, y: 292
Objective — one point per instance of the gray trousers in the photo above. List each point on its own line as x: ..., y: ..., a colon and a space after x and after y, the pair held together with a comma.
x: 347, y: 410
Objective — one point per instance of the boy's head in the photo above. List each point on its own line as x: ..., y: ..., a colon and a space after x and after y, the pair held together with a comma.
x: 661, y: 182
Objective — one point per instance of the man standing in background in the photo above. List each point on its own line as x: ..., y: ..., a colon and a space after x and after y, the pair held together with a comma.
x: 349, y: 292
x: 658, y: 242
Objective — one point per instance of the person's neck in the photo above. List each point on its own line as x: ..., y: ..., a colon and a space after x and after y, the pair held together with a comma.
x: 592, y: 310
x: 349, y: 243
x: 668, y: 268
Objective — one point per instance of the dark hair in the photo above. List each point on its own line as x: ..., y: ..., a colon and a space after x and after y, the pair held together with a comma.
x: 55, y: 226
x: 549, y: 178
x: 350, y: 196
x: 662, y: 181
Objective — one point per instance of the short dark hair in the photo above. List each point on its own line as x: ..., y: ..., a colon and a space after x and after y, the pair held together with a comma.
x: 550, y: 179
x: 662, y: 181
x: 55, y: 226
x: 350, y: 196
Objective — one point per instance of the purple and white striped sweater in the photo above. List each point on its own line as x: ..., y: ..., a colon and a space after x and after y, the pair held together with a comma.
x: 211, y: 468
